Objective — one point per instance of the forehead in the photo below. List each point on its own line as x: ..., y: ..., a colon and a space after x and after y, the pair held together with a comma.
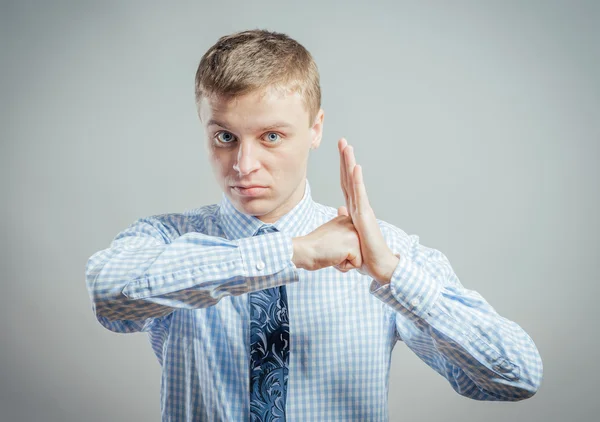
x: 257, y: 108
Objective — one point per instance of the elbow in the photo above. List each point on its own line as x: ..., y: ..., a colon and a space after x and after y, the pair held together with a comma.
x: 502, y: 392
x: 519, y: 384
x: 529, y: 393
x: 533, y: 381
x: 523, y: 381
x: 105, y: 295
x: 531, y: 375
x: 525, y: 386
x: 92, y: 283
x: 522, y: 388
x: 522, y: 392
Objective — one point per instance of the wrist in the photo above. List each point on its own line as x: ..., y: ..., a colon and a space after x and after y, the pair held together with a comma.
x: 300, y: 255
x: 388, y: 271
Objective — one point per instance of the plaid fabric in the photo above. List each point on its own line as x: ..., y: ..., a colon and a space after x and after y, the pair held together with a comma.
x: 185, y: 280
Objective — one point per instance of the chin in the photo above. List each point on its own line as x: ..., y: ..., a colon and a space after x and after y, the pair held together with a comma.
x: 254, y: 207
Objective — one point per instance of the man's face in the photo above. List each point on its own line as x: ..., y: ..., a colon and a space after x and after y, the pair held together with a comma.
x: 260, y: 139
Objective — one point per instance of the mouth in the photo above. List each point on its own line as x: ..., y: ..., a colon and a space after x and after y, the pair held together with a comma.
x: 255, y: 190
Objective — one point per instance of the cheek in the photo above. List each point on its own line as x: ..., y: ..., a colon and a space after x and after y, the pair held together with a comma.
x: 219, y: 162
x: 294, y: 159
x: 288, y: 164
x: 219, y: 169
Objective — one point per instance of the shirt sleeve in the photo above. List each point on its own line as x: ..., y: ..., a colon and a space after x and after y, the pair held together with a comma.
x: 150, y: 269
x: 454, y: 330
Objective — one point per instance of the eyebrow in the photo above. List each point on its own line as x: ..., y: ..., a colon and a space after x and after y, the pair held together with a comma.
x: 271, y: 126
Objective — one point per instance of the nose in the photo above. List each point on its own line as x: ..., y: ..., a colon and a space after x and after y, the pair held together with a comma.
x: 247, y: 159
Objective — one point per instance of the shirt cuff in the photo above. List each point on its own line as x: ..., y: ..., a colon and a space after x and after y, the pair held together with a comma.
x: 267, y: 260
x: 411, y: 290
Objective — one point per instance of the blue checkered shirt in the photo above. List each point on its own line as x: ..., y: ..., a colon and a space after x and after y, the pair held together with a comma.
x: 184, y: 278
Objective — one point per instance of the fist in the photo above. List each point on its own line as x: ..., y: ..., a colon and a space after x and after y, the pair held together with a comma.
x: 334, y: 244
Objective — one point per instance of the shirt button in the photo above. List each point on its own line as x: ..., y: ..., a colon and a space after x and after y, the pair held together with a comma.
x: 260, y: 265
x: 415, y: 302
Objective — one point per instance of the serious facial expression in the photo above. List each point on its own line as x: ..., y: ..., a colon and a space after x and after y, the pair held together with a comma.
x: 258, y: 145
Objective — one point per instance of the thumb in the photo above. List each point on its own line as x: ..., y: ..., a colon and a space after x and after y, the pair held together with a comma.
x: 342, y: 211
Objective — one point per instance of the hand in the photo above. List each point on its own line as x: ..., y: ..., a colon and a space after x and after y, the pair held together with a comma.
x: 329, y: 245
x: 378, y: 260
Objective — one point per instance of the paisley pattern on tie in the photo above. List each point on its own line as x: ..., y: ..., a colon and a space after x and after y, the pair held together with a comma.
x: 269, y: 352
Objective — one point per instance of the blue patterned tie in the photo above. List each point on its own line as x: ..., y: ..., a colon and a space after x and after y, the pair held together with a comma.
x: 269, y: 351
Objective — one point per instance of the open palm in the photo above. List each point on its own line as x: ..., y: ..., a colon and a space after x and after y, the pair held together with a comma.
x: 378, y: 260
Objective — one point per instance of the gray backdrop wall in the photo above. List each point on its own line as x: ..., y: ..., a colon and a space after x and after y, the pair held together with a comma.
x: 477, y: 124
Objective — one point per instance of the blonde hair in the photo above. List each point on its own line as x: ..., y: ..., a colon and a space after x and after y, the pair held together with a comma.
x: 246, y: 61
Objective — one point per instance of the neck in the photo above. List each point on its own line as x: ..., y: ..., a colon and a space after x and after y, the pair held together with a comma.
x: 289, y: 204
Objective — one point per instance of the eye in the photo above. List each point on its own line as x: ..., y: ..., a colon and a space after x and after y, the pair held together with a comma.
x: 273, y: 137
x: 226, y: 138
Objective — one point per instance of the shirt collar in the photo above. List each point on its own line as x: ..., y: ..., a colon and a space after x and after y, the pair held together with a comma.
x: 297, y: 222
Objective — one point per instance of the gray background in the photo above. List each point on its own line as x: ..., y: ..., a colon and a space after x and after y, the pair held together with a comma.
x: 477, y: 124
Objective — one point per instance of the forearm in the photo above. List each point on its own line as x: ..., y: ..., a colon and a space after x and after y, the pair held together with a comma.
x: 487, y: 357
x: 144, y: 274
x: 454, y: 330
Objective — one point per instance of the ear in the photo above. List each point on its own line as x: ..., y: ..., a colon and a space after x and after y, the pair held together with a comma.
x: 317, y: 130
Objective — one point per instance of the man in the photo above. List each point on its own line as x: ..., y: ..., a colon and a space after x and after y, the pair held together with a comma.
x: 253, y: 307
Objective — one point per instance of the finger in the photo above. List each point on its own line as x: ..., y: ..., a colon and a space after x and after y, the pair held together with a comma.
x: 346, y: 266
x: 347, y: 181
x: 350, y: 164
x: 341, y: 269
x: 343, y: 177
x: 359, y: 190
x: 342, y: 211
x: 340, y: 149
x: 354, y: 261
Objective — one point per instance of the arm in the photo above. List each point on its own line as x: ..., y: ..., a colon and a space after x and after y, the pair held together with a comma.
x: 159, y: 264
x: 454, y: 330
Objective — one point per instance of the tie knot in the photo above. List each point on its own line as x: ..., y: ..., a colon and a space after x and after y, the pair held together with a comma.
x: 266, y: 228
